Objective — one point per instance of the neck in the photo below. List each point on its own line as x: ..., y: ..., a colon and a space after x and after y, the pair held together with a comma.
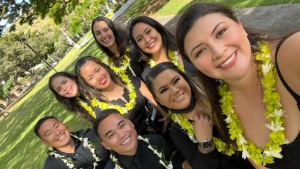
x: 160, y: 56
x: 248, y: 84
x: 132, y: 152
x: 68, y: 148
x: 114, y: 50
x: 190, y: 115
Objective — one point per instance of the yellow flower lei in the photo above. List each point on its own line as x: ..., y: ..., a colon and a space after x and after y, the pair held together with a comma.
x: 125, y: 64
x: 273, y: 113
x: 173, y: 58
x: 128, y: 106
x: 86, y: 107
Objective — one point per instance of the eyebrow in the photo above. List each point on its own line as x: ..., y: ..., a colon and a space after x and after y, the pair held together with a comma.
x: 111, y: 130
x: 58, y: 87
x: 49, y: 129
x: 165, y: 85
x: 215, y: 28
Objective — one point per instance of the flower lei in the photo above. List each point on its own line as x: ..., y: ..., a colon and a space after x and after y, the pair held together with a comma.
x: 187, y: 126
x: 173, y: 55
x: 162, y: 160
x: 125, y: 64
x: 273, y: 113
x: 68, y: 161
x: 86, y: 107
x: 128, y: 106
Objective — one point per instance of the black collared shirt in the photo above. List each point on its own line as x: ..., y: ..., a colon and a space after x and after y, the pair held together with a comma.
x: 82, y: 157
x: 147, y: 159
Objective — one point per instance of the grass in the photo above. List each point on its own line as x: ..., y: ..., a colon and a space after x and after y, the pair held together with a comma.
x: 174, y: 7
x: 20, y: 148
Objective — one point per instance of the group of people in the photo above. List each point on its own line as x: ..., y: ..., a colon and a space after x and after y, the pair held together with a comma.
x: 217, y: 96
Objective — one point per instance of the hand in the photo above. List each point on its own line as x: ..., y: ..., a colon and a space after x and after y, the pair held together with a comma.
x: 166, y: 120
x: 202, y: 127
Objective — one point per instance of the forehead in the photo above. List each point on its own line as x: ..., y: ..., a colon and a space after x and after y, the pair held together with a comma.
x: 90, y: 65
x: 100, y: 25
x: 46, y: 125
x: 140, y: 27
x: 165, y: 77
x: 110, y: 123
x: 57, y: 81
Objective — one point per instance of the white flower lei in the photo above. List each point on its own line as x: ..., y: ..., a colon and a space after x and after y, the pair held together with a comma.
x: 166, y: 164
x: 86, y: 144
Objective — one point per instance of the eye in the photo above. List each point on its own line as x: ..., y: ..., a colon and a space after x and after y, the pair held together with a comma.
x: 98, y: 69
x: 58, y: 90
x: 111, y: 135
x: 221, y: 33
x: 200, y: 52
x: 176, y: 80
x: 148, y: 31
x: 163, y: 90
x: 49, y: 133
x: 122, y: 125
x: 56, y: 126
x: 139, y: 39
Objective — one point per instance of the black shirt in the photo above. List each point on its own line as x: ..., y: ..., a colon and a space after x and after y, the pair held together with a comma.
x: 147, y: 159
x: 82, y: 156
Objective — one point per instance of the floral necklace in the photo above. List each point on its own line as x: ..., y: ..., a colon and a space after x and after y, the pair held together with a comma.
x: 173, y: 55
x: 273, y: 113
x: 128, y: 106
x: 187, y: 126
x: 162, y: 160
x: 125, y: 64
x: 68, y: 161
x: 88, y: 108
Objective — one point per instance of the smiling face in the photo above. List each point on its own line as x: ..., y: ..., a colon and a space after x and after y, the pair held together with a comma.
x: 95, y: 75
x: 118, y: 134
x: 218, y: 47
x: 103, y: 34
x: 147, y: 38
x: 54, y: 133
x: 65, y: 87
x: 172, y: 90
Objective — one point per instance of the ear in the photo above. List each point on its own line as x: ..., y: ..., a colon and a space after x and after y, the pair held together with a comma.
x: 241, y: 27
x: 107, y: 147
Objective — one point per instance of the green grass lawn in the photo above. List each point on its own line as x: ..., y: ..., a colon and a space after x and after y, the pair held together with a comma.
x: 174, y: 7
x: 20, y: 148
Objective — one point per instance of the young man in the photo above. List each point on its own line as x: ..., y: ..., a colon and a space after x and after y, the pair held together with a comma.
x: 128, y: 150
x: 81, y: 149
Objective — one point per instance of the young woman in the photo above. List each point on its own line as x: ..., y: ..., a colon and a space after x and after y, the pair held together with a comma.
x: 127, y: 94
x: 122, y: 58
x: 157, y: 43
x: 192, y: 131
x: 259, y: 88
x: 68, y: 91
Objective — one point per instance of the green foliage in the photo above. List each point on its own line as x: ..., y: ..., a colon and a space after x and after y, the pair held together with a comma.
x: 5, y: 89
x: 109, y: 15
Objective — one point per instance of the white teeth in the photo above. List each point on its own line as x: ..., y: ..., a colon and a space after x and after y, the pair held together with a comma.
x: 61, y: 137
x: 126, y: 141
x: 151, y: 44
x: 178, y: 98
x: 228, y: 61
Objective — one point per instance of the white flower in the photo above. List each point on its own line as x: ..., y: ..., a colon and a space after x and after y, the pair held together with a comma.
x: 242, y: 140
x: 245, y: 153
x: 275, y: 127
x: 228, y: 119
x: 85, y: 142
x: 273, y: 152
x: 286, y: 141
x: 170, y: 166
x: 266, y: 68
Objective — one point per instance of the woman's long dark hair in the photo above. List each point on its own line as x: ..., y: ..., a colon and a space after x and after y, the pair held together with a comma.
x: 121, y: 38
x: 96, y: 92
x: 167, y: 37
x: 71, y: 103
x: 209, y: 84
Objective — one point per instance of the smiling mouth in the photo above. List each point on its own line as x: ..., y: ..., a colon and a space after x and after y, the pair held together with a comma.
x: 70, y: 90
x: 61, y: 137
x: 102, y: 81
x: 152, y: 44
x: 126, y: 141
x: 179, y: 97
x: 106, y: 40
x: 229, y: 60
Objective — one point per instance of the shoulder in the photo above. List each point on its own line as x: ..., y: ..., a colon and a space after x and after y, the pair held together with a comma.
x: 136, y: 81
x: 155, y: 139
x: 53, y: 163
x: 109, y: 165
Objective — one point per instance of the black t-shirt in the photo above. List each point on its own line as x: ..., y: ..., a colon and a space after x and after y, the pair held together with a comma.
x: 82, y: 156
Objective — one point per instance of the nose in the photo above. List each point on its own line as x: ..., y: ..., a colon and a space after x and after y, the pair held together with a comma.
x: 174, y: 89
x: 217, y: 50
x: 120, y: 134
x: 147, y: 39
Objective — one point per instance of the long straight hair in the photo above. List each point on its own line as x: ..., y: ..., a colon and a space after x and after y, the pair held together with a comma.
x: 96, y: 92
x: 210, y: 85
x: 71, y: 103
x: 121, y: 38
x: 168, y: 38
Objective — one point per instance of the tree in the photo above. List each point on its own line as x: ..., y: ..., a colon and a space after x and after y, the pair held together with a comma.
x: 27, y: 12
